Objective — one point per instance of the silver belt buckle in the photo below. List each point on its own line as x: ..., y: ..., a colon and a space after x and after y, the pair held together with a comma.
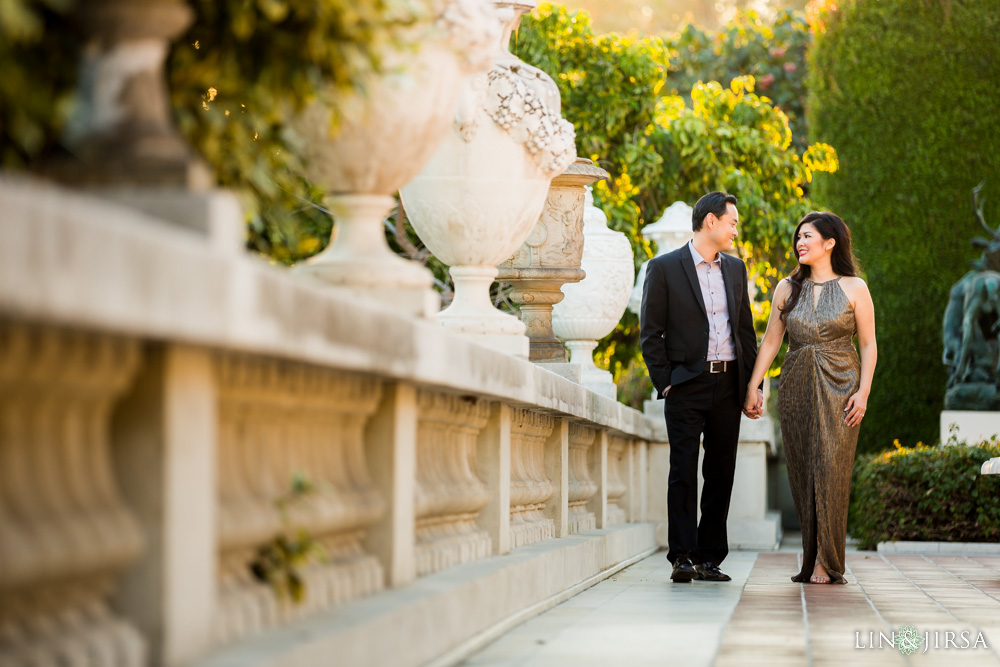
x: 717, y: 367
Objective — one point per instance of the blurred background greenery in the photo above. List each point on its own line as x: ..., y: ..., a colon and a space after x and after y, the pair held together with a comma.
x: 880, y: 110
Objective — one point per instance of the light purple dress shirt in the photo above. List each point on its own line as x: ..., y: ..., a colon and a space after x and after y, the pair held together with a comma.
x: 713, y: 290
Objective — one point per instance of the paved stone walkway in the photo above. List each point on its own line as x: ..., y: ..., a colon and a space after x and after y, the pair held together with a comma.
x: 638, y: 617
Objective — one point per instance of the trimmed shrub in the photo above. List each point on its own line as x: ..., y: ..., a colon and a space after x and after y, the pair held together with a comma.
x: 926, y: 493
x: 907, y: 92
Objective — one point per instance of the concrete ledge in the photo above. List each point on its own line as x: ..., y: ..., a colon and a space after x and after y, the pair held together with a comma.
x: 73, y: 259
x: 444, y: 614
x: 972, y: 426
x: 941, y: 548
x: 755, y: 534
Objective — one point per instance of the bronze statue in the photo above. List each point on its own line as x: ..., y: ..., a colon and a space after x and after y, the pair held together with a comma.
x: 972, y: 327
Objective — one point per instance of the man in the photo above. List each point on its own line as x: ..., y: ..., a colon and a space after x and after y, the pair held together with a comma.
x: 700, y: 346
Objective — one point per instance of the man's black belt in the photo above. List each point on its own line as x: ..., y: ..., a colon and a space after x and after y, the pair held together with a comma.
x: 719, y: 366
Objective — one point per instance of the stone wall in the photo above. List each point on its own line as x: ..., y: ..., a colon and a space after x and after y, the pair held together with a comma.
x: 159, y: 394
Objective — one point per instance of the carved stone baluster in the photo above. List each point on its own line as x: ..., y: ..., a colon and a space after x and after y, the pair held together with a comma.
x: 581, y: 486
x: 450, y: 493
x: 617, y: 474
x: 278, y: 419
x: 65, y: 534
x: 530, y: 487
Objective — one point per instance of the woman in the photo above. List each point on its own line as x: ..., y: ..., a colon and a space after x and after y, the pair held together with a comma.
x: 824, y: 387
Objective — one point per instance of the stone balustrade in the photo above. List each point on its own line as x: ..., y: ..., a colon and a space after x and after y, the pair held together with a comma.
x: 161, y: 391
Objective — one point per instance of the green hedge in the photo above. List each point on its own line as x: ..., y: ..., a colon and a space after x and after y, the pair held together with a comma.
x: 926, y: 493
x: 907, y: 92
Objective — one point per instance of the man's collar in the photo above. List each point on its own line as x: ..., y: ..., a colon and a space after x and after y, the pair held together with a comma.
x: 698, y: 259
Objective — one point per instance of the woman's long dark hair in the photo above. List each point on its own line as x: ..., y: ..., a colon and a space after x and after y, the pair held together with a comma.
x: 842, y: 259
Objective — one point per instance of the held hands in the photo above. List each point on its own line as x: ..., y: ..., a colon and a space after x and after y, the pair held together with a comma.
x: 754, y: 405
x: 857, y: 405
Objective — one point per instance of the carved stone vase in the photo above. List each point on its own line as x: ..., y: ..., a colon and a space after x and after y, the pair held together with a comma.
x: 120, y: 130
x: 380, y: 137
x: 593, y: 307
x: 551, y: 258
x: 480, y: 196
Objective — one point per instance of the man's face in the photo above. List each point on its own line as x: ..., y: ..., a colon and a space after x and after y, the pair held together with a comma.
x: 724, y: 229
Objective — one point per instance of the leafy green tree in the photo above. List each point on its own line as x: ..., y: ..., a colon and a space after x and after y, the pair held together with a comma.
x: 907, y: 92
x: 39, y: 51
x: 774, y: 53
x: 659, y: 149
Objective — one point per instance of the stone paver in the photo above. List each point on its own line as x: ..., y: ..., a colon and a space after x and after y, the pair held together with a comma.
x: 638, y: 617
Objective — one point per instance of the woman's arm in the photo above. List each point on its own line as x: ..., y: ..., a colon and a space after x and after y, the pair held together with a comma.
x: 864, y: 315
x: 769, y: 346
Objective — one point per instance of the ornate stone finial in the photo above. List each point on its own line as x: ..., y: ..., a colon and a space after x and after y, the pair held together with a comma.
x: 972, y: 327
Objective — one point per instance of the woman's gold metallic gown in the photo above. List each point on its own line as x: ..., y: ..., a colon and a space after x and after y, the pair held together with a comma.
x: 820, y: 373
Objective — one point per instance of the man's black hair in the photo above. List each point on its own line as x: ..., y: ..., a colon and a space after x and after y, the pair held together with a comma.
x: 713, y: 202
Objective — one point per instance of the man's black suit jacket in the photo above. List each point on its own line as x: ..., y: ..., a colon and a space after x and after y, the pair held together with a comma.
x: 673, y: 324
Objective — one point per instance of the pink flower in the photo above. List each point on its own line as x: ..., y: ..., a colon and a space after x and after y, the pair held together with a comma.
x: 777, y: 52
x: 790, y: 67
x: 765, y: 81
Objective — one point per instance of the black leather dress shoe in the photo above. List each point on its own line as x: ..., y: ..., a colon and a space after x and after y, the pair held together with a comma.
x: 684, y: 570
x: 710, y: 572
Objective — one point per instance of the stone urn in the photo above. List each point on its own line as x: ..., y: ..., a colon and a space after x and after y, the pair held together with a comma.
x: 379, y: 138
x: 670, y: 232
x: 482, y: 193
x: 120, y: 130
x: 551, y: 258
x: 594, y: 306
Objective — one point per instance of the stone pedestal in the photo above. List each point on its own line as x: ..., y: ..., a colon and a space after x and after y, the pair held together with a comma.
x: 751, y: 525
x: 593, y: 378
x: 550, y: 258
x: 359, y: 259
x: 971, y: 426
x: 121, y: 130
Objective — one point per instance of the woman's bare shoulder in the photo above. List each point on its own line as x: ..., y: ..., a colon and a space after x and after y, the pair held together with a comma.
x: 784, y: 287
x: 853, y: 284
x: 781, y: 292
